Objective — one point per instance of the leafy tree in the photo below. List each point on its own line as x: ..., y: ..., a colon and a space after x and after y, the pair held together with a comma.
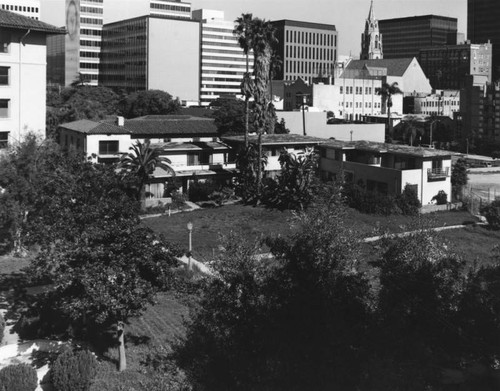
x: 459, y: 177
x: 141, y: 162
x: 295, y: 323
x: 280, y: 127
x: 296, y: 185
x: 150, y: 102
x: 492, y: 214
x: 408, y: 201
x: 247, y: 162
x: 386, y: 92
x: 229, y: 115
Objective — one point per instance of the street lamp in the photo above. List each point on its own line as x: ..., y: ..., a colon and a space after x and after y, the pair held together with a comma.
x: 190, y: 247
x: 304, y: 101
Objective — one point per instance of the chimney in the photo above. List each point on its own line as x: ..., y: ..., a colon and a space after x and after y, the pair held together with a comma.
x: 120, y: 121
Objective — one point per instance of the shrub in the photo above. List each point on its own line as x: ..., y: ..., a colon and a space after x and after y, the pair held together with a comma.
x: 222, y: 195
x: 178, y: 199
x: 492, y: 214
x: 441, y: 198
x: 371, y: 202
x: 21, y: 377
x: 408, y: 201
x: 2, y: 327
x: 74, y: 371
x: 200, y: 191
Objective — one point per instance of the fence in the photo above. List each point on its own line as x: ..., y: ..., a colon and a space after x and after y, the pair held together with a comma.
x: 476, y: 198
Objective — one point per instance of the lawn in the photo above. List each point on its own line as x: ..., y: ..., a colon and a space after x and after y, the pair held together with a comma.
x: 253, y: 222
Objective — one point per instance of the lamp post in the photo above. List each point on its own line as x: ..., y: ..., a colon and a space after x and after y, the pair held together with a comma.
x: 304, y: 101
x: 190, y: 246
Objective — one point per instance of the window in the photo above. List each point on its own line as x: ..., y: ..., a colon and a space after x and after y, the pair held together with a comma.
x: 4, y: 108
x: 108, y: 147
x: 4, y: 41
x: 4, y: 76
x: 4, y: 140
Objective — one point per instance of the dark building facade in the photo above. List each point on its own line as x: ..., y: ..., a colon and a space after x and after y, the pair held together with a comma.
x: 482, y: 25
x: 308, y: 50
x: 447, y: 66
x: 404, y: 37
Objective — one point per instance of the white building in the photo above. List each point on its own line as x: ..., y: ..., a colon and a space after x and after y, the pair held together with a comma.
x: 28, y: 8
x: 117, y: 10
x: 444, y: 102
x: 22, y: 75
x: 223, y: 62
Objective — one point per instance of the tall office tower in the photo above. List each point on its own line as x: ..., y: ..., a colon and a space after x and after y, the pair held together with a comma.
x: 81, y: 48
x: 308, y: 50
x: 371, y: 39
x: 152, y: 52
x: 29, y: 8
x: 116, y: 10
x: 482, y: 26
x: 223, y: 62
x: 404, y: 37
x: 447, y: 66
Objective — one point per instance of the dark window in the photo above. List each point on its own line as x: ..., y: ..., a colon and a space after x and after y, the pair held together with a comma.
x: 4, y: 108
x: 4, y: 140
x: 4, y: 76
x: 108, y: 147
x: 4, y: 41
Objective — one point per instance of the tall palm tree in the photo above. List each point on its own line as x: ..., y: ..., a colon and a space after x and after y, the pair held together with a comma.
x: 386, y: 92
x: 142, y: 161
x: 243, y: 32
x: 263, y: 41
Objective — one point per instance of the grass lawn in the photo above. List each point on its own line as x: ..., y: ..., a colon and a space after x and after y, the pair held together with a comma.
x: 253, y: 222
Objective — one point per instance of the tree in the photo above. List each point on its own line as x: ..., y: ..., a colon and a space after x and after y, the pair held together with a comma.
x: 247, y: 161
x: 243, y: 32
x: 459, y: 177
x: 150, y: 102
x: 298, y: 322
x: 386, y: 92
x: 229, y: 115
x: 280, y: 127
x: 142, y: 161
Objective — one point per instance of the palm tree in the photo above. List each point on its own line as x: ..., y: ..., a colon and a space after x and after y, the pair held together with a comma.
x: 142, y: 161
x: 263, y: 40
x: 386, y: 92
x: 243, y: 32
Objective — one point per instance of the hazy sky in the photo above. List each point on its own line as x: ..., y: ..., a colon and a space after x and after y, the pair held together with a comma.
x: 347, y: 15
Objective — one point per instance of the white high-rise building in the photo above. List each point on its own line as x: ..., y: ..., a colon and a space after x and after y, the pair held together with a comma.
x: 117, y: 10
x: 223, y: 63
x: 29, y: 8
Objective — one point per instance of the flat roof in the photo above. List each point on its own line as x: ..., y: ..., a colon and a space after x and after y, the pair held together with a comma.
x: 397, y: 149
x: 417, y: 17
x: 276, y: 139
x: 299, y: 23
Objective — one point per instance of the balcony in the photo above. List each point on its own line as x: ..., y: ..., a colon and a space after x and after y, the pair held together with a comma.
x: 437, y: 174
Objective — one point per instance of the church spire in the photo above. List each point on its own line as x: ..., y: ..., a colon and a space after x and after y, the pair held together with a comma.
x: 371, y: 39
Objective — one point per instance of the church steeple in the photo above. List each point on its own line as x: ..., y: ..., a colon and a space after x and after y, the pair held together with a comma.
x: 371, y: 39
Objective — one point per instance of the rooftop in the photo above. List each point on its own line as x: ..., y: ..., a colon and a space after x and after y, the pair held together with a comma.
x: 395, y: 66
x: 92, y: 127
x: 276, y: 139
x: 387, y: 148
x: 15, y: 21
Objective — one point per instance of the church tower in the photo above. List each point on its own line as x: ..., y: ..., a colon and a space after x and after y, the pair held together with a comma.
x: 371, y: 39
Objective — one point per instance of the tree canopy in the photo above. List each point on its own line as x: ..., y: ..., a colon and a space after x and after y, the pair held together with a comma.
x: 150, y: 102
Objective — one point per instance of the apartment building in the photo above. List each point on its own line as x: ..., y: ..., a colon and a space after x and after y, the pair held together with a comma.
x: 22, y: 75
x: 223, y: 62
x: 308, y: 50
x: 116, y: 11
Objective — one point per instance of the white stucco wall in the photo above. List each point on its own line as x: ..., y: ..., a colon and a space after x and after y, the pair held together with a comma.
x: 27, y: 85
x: 413, y: 80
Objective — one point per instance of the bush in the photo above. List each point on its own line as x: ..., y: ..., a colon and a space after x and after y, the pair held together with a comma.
x: 441, y: 198
x: 492, y: 214
x: 408, y: 201
x: 221, y: 196
x: 2, y: 327
x: 371, y: 202
x: 21, y: 377
x: 200, y: 191
x: 74, y: 371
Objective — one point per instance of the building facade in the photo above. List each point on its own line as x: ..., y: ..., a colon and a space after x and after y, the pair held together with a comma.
x: 371, y: 39
x: 404, y: 37
x: 28, y: 8
x: 116, y: 11
x: 223, y: 63
x: 308, y: 50
x: 22, y: 75
x: 441, y: 103
x: 447, y: 66
x: 482, y: 26
x: 388, y: 168
x: 134, y: 56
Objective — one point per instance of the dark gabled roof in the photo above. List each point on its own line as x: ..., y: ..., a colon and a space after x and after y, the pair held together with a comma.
x: 276, y: 139
x: 395, y: 66
x: 92, y: 127
x: 397, y: 149
x: 15, y: 21
x: 171, y: 125
x: 190, y: 146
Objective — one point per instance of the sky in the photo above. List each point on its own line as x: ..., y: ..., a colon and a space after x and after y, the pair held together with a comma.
x: 348, y: 16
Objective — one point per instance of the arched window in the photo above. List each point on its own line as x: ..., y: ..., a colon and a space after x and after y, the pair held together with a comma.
x: 376, y: 41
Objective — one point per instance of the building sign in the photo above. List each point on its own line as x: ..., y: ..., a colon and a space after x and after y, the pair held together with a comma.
x: 72, y: 40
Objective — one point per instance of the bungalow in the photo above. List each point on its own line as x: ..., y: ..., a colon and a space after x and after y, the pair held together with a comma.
x: 388, y: 168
